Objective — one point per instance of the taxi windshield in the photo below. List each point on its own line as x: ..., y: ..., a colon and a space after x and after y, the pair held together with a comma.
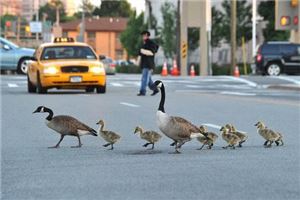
x: 68, y: 52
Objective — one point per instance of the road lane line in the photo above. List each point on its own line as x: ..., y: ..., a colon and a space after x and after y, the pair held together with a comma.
x: 12, y: 85
x: 129, y: 104
x: 117, y: 84
x: 212, y: 125
x: 238, y: 93
x: 242, y: 80
x: 287, y: 79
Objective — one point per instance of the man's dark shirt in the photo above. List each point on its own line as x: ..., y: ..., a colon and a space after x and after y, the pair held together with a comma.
x: 148, y: 61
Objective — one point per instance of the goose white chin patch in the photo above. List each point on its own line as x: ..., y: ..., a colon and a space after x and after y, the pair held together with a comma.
x: 82, y: 132
x: 159, y: 85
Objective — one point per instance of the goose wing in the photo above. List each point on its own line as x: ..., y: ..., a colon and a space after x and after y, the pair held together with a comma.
x: 72, y: 125
x: 184, y: 127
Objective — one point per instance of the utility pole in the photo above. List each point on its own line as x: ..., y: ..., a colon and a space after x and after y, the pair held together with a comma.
x: 178, y: 44
x: 253, y: 27
x: 82, y: 27
x: 37, y: 19
x: 57, y: 15
x: 233, y: 35
x: 18, y: 28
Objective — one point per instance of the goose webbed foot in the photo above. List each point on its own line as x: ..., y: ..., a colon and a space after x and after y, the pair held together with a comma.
x: 152, y: 146
x: 209, y: 147
x: 173, y: 144
x: 54, y: 147
x: 106, y: 145
x: 232, y: 147
x: 145, y: 145
x: 77, y: 146
x: 266, y: 142
x: 225, y: 147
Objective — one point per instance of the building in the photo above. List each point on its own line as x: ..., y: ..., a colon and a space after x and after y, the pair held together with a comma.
x: 30, y: 7
x: 11, y: 7
x: 103, y: 34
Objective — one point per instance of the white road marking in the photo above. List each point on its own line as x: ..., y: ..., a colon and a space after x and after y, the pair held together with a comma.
x: 12, y: 85
x: 287, y: 79
x: 212, y: 125
x: 117, y: 84
x: 238, y: 93
x: 129, y: 104
x: 242, y: 80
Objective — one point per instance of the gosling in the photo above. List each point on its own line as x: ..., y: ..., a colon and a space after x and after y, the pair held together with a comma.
x: 269, y: 135
x: 110, y: 137
x: 242, y: 135
x: 208, y: 140
x: 231, y: 139
x: 150, y: 136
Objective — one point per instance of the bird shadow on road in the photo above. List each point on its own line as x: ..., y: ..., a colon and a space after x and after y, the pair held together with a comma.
x: 143, y: 152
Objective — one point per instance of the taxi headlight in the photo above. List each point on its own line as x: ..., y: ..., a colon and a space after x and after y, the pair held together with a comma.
x: 50, y: 70
x: 97, y: 70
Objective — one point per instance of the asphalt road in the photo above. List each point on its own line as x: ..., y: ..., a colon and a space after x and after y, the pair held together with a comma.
x: 32, y: 171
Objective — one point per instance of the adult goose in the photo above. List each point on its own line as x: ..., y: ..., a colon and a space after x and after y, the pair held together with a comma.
x: 65, y: 125
x: 178, y: 129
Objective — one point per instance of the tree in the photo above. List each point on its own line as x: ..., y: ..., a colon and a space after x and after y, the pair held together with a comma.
x: 117, y: 8
x: 7, y: 17
x: 244, y: 24
x: 216, y: 28
x: 168, y: 30
x: 131, y: 38
x: 267, y: 10
x: 88, y: 8
x: 49, y: 10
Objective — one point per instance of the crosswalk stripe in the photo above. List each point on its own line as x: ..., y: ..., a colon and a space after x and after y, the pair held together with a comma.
x: 238, y: 93
x: 129, y: 104
x: 12, y: 85
x: 117, y: 84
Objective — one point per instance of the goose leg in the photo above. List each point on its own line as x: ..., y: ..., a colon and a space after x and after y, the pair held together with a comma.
x: 112, y: 146
x: 232, y: 147
x: 266, y: 142
x: 152, y: 146
x: 201, y: 147
x: 79, y: 143
x: 57, y: 145
x: 270, y: 145
x: 106, y: 145
x: 226, y: 147
x: 277, y: 143
x: 281, y: 142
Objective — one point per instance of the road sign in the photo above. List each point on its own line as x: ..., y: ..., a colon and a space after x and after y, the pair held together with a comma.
x: 184, y: 50
x: 286, y: 15
x: 35, y: 27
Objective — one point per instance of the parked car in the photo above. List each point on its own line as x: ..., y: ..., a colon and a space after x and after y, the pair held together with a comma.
x: 109, y: 65
x: 13, y: 57
x: 66, y: 64
x: 274, y: 58
x: 124, y: 62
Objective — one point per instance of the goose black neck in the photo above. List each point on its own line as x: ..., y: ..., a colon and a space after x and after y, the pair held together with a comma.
x: 50, y: 116
x: 162, y: 99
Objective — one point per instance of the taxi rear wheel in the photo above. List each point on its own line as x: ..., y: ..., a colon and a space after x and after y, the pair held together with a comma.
x: 101, y: 89
x: 39, y: 88
x: 30, y: 87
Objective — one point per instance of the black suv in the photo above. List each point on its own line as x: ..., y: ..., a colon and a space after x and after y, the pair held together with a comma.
x: 274, y: 58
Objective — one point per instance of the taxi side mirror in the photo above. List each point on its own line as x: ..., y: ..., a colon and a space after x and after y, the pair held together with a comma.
x: 101, y: 57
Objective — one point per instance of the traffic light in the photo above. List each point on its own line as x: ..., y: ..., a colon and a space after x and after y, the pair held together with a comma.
x: 286, y: 14
x: 8, y: 23
x: 285, y: 21
x: 294, y: 3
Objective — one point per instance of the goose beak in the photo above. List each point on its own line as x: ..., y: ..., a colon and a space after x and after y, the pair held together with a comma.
x: 35, y: 112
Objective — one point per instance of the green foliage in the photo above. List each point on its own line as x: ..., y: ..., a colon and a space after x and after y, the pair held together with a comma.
x: 168, y: 31
x: 244, y: 24
x: 131, y: 38
x: 116, y: 8
x: 49, y: 10
x: 88, y: 7
x: 216, y: 29
x: 267, y: 10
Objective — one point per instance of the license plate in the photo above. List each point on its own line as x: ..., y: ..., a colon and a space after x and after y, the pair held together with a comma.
x: 75, y: 79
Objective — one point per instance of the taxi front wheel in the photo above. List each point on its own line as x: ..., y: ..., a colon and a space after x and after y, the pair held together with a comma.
x: 101, y: 89
x: 39, y: 88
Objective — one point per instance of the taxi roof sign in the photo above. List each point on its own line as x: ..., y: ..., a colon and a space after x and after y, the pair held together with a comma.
x: 63, y: 39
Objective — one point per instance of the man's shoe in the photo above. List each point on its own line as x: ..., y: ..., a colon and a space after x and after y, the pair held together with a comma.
x: 141, y: 94
x: 154, y: 92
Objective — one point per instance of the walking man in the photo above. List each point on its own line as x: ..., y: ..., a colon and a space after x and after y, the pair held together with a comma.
x: 146, y: 53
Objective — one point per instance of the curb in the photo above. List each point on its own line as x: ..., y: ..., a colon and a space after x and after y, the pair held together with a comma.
x: 285, y: 87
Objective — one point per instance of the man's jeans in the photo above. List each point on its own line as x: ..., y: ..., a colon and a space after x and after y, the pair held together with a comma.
x: 146, y: 81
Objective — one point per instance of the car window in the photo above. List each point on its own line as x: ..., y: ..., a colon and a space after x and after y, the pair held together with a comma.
x: 10, y: 44
x: 68, y: 52
x: 288, y: 49
x: 270, y: 49
x: 298, y: 50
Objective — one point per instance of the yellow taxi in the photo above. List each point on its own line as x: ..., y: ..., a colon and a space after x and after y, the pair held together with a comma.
x: 65, y: 64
